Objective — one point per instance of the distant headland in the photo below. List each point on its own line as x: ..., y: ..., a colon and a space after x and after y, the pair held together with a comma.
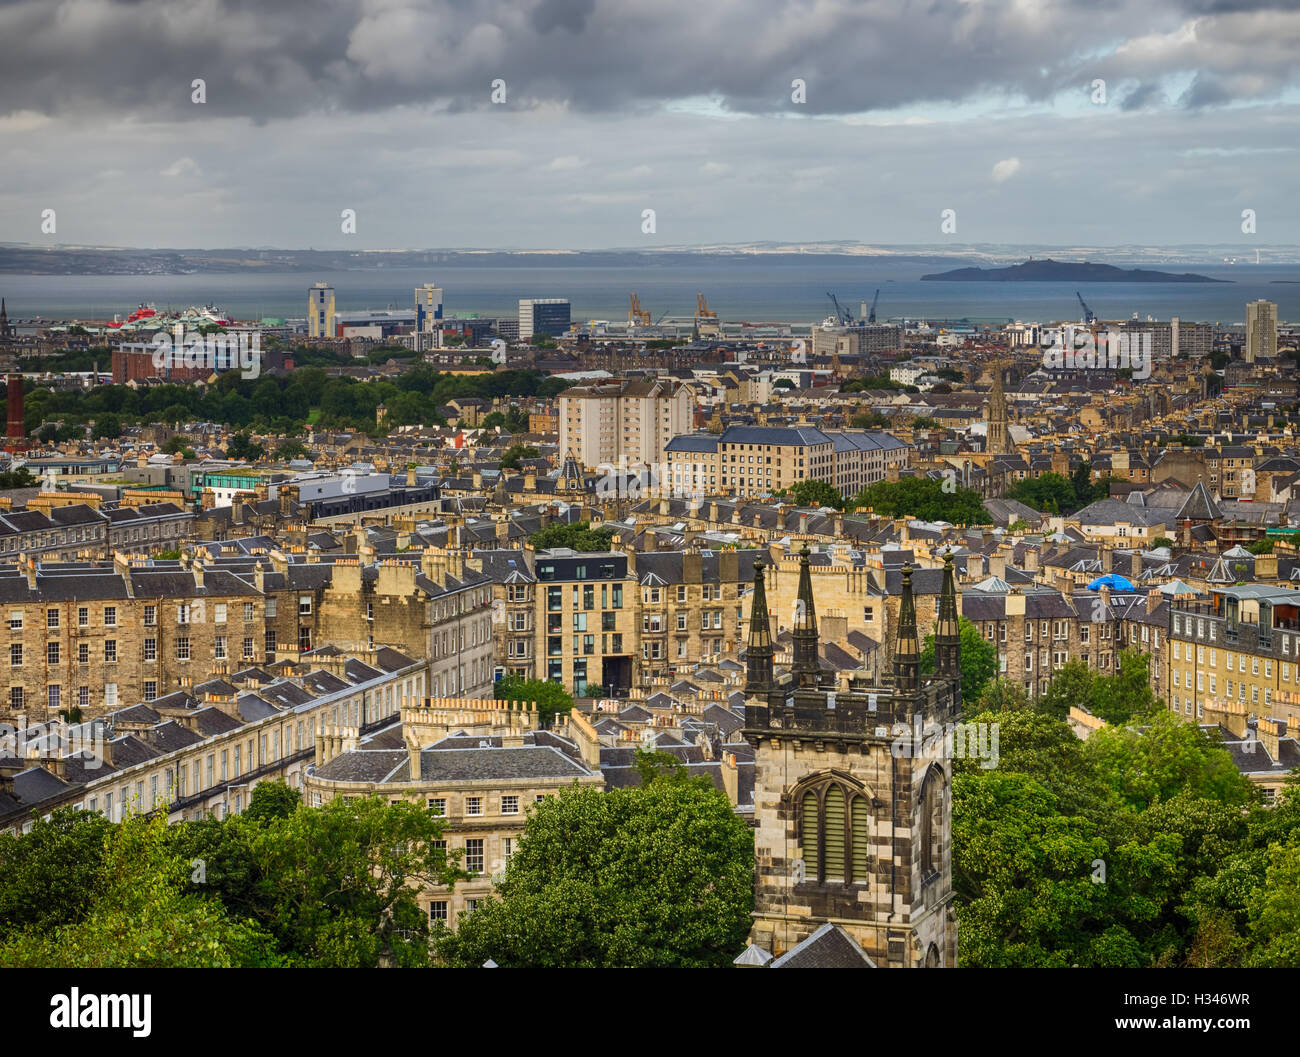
x: 1048, y: 270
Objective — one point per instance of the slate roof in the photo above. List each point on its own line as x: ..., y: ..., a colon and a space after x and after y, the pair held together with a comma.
x: 830, y: 947
x: 1199, y: 506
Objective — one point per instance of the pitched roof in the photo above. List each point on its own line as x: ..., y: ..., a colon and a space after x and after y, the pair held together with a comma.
x: 1198, y: 506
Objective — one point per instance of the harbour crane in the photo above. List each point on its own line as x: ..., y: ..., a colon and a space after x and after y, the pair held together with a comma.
x: 636, y: 315
x: 702, y: 308
x: 842, y: 314
x: 871, y: 316
x: 1088, y: 315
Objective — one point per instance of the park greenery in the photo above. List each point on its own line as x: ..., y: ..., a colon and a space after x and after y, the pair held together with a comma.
x: 279, y: 405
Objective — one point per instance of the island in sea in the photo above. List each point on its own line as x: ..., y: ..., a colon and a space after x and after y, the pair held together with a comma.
x: 1050, y: 271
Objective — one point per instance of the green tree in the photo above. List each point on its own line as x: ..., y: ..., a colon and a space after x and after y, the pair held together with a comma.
x: 139, y: 915
x: 925, y: 422
x: 338, y: 886
x: 1162, y: 541
x: 1166, y: 756
x: 924, y: 498
x: 869, y: 420
x: 271, y: 800
x: 999, y: 695
x: 577, y: 535
x: 1071, y: 687
x: 19, y: 478
x: 512, y: 459
x: 291, y: 449
x: 816, y: 493
x: 656, y: 876
x: 45, y: 874
x: 1050, y: 493
x: 655, y: 766
x: 175, y: 444
x: 1275, y: 909
x: 1023, y: 874
x: 242, y: 446
x: 979, y: 660
x: 107, y: 427
x: 551, y: 698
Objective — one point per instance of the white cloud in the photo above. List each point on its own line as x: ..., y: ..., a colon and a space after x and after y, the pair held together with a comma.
x: 1005, y: 169
x: 182, y: 167
x: 566, y: 163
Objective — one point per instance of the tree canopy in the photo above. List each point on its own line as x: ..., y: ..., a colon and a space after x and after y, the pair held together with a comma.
x: 280, y: 884
x: 816, y: 493
x: 576, y: 535
x: 924, y: 498
x: 551, y: 698
x: 656, y: 876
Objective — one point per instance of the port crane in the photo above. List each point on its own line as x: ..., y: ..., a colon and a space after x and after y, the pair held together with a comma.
x: 871, y: 316
x: 1088, y: 315
x: 702, y: 308
x: 842, y: 314
x: 636, y: 315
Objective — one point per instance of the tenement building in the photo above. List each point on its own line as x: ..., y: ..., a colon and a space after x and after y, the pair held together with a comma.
x: 200, y: 753
x: 94, y: 636
x: 1241, y: 644
x: 853, y: 840
x: 614, y: 619
x: 479, y: 764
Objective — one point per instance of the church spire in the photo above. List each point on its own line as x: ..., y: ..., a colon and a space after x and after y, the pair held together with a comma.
x: 998, y: 440
x: 907, y: 651
x: 758, y: 657
x: 947, y: 632
x: 807, y: 669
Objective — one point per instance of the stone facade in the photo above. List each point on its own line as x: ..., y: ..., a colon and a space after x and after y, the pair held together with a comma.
x: 849, y: 830
x: 97, y: 636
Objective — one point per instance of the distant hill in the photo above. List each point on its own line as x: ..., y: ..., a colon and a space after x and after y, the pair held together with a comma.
x: 1050, y: 271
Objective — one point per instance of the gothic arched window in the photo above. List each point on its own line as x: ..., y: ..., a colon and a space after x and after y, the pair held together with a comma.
x: 931, y: 835
x: 834, y: 830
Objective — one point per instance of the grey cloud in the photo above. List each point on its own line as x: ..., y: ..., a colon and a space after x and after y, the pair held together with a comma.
x: 1142, y: 96
x: 295, y: 57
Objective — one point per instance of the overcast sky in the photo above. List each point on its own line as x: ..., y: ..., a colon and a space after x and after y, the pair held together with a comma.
x: 613, y: 107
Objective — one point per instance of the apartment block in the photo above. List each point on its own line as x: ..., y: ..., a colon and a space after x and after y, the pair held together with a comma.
x: 320, y: 311
x: 624, y: 423
x: 1261, y: 331
x: 747, y: 460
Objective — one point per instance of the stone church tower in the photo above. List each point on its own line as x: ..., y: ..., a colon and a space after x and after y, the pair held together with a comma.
x: 999, y: 439
x: 853, y: 825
